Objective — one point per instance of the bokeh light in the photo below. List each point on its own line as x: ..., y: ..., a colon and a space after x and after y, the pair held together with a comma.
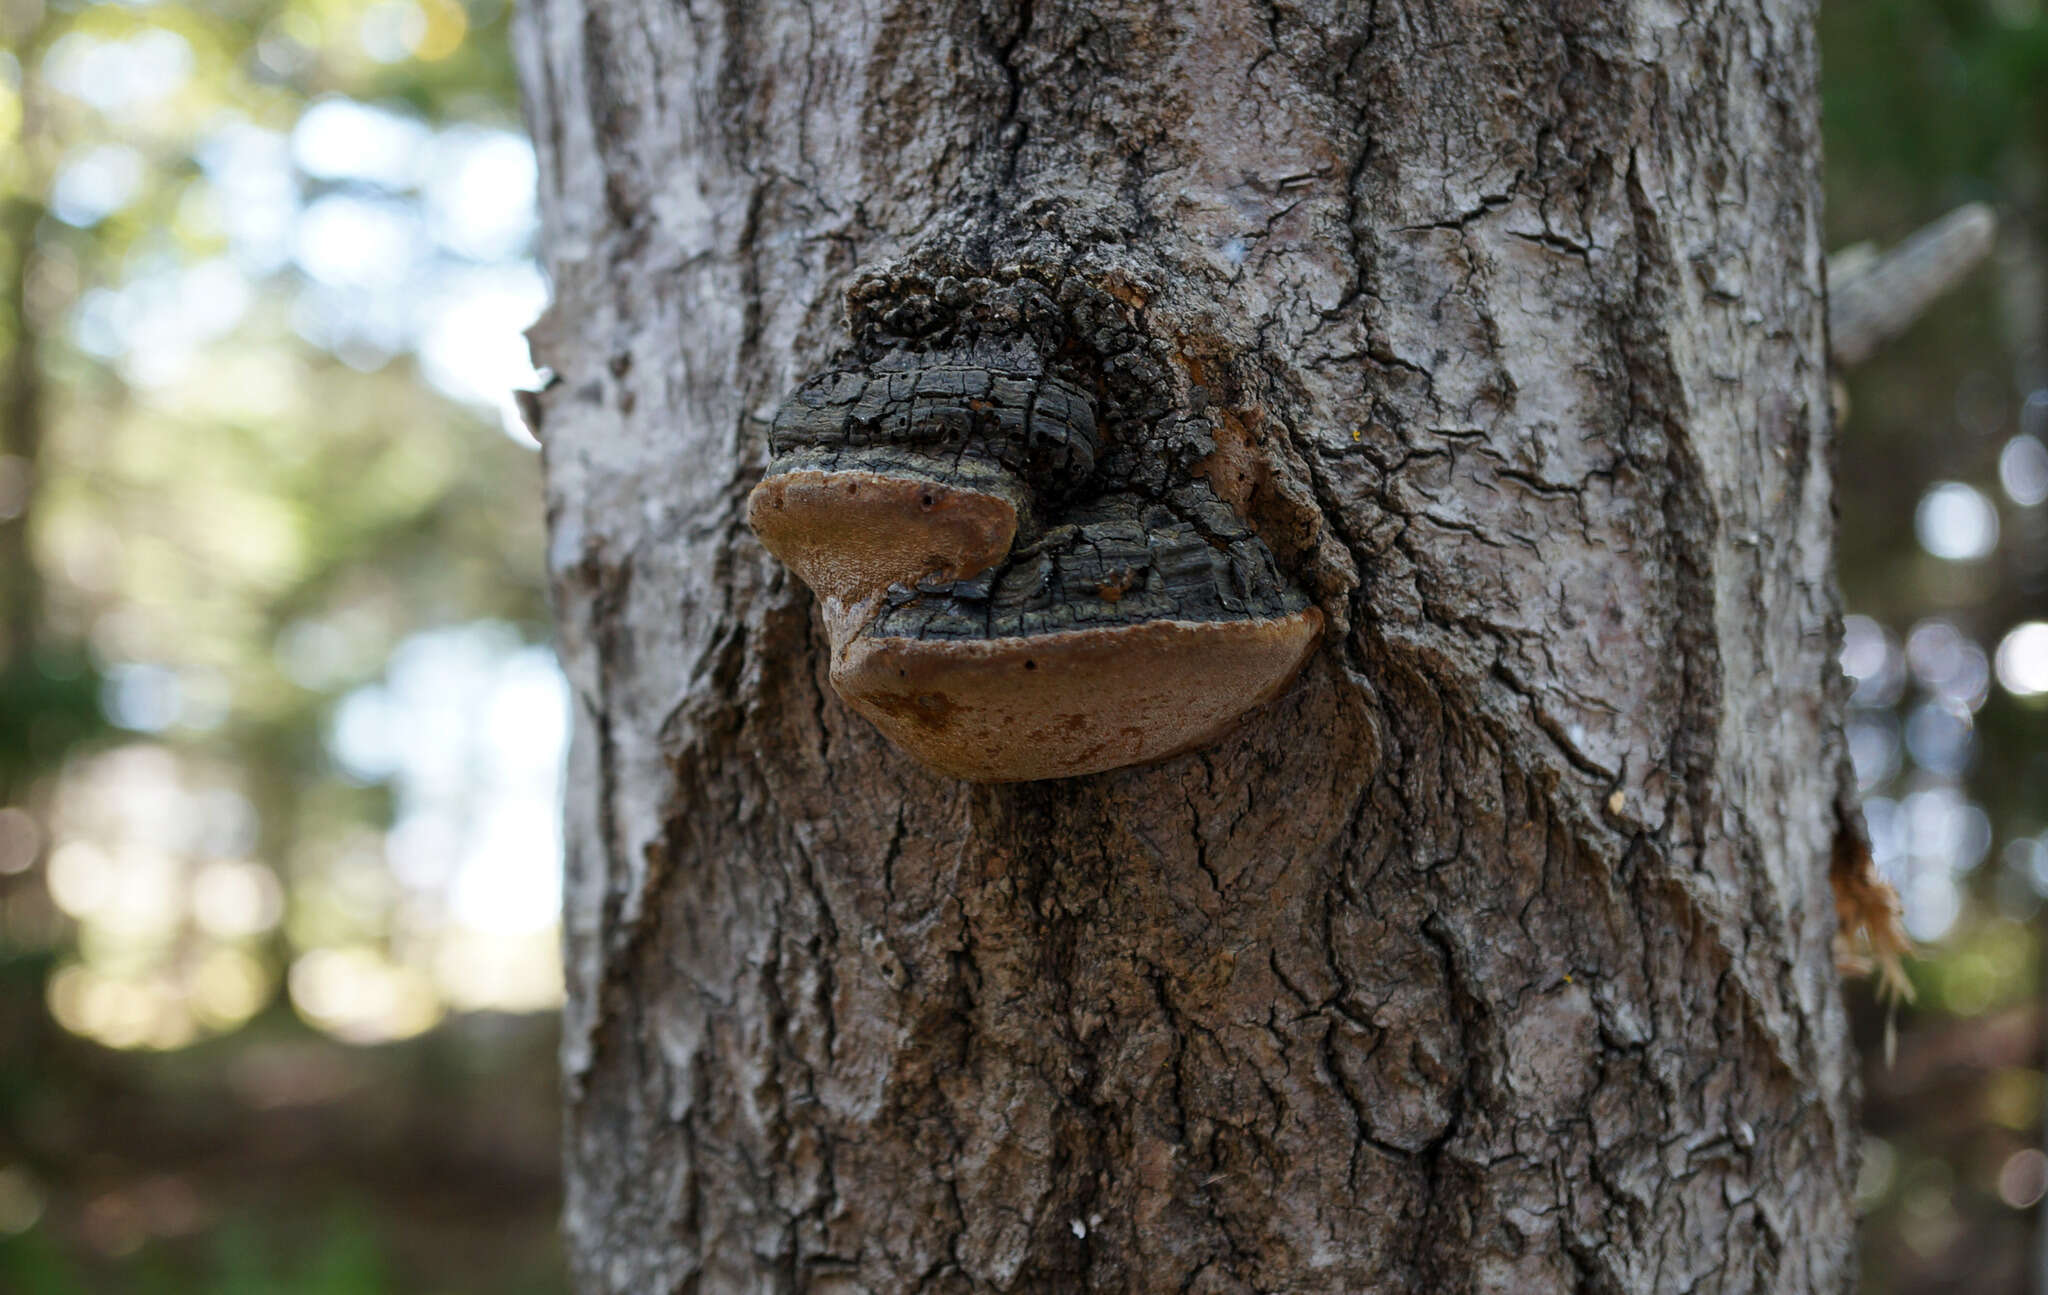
x: 1956, y: 522
x: 2023, y: 660
x: 2023, y: 470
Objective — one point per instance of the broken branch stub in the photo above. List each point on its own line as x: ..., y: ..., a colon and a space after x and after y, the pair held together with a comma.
x: 1022, y: 572
x: 1874, y: 297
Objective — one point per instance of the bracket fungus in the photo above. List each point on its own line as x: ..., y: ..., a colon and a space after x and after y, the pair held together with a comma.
x: 1013, y: 587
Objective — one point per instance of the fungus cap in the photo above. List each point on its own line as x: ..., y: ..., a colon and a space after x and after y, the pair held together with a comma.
x: 1074, y: 702
x: 852, y: 534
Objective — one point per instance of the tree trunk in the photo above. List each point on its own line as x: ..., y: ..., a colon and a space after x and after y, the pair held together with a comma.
x: 1495, y: 953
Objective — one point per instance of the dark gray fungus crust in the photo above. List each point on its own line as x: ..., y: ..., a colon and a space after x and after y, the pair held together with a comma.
x: 941, y: 409
x: 1118, y: 560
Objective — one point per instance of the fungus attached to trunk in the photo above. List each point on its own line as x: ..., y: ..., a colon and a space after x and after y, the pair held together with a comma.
x: 998, y: 604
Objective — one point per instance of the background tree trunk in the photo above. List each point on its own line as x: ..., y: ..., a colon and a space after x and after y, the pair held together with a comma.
x: 1492, y: 956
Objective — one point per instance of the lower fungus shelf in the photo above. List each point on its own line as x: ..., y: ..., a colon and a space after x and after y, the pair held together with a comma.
x: 1070, y: 703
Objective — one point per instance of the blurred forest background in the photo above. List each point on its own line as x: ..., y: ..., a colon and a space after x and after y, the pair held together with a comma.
x: 280, y: 736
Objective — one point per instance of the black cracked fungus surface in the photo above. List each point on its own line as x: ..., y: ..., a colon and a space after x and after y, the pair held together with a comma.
x: 1031, y: 423
x: 1050, y: 391
x: 1119, y: 560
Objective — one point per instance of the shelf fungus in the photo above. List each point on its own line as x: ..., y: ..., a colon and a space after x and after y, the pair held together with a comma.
x: 1006, y: 597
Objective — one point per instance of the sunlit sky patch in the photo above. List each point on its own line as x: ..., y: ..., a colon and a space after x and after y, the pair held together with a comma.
x: 341, y: 139
x: 94, y: 184
x: 249, y: 170
x: 156, y: 323
x: 371, y: 234
x: 466, y: 348
x: 349, y: 240
x: 147, y: 842
x: 470, y: 729
x: 405, y: 238
x: 480, y: 193
x: 119, y: 77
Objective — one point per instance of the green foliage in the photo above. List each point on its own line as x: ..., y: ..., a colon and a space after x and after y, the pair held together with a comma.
x: 33, y: 1265
x: 344, y: 1260
x: 244, y: 1257
x: 49, y: 703
x: 1928, y: 104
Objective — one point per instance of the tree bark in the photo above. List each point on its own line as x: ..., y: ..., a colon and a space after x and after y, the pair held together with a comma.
x: 1495, y: 953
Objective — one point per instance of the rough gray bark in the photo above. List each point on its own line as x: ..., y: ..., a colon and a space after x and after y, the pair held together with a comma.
x: 1494, y: 955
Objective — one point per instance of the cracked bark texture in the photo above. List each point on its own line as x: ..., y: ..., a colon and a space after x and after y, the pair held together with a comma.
x: 1494, y: 956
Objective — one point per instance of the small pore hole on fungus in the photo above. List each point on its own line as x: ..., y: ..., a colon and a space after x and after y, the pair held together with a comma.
x: 1031, y: 665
